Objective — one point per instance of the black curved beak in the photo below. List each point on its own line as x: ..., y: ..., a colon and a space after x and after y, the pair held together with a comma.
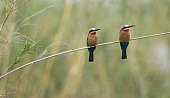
x: 97, y: 29
x: 131, y: 26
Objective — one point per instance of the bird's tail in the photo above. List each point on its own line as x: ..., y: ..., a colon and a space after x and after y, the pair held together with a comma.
x: 91, y: 51
x: 124, y: 56
x: 91, y: 57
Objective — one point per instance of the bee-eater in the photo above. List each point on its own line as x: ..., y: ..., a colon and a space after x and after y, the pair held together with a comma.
x: 124, y: 38
x: 92, y: 41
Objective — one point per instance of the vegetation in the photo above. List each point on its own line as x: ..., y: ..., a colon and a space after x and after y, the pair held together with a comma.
x: 38, y: 28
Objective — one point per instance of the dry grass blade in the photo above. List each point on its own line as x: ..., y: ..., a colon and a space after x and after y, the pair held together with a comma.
x: 21, y: 5
x: 10, y: 10
x: 3, y: 93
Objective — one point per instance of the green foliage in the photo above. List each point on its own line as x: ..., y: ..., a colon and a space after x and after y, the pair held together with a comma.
x: 27, y: 47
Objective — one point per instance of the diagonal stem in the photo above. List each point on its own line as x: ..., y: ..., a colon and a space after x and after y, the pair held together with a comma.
x: 74, y: 50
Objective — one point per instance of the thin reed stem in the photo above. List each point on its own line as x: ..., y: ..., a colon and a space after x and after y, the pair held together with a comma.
x: 74, y: 50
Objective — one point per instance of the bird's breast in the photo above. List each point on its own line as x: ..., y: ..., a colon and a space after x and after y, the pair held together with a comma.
x: 124, y: 37
x: 92, y: 40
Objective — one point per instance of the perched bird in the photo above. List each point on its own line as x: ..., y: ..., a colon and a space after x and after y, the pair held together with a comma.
x: 92, y: 41
x: 124, y: 38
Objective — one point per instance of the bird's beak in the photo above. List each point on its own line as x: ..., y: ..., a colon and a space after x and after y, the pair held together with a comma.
x: 97, y: 29
x: 131, y: 26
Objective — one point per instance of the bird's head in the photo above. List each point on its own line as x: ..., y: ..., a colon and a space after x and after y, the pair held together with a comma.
x: 126, y: 28
x: 93, y: 30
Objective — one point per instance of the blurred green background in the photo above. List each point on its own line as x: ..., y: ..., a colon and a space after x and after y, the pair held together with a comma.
x: 53, y: 26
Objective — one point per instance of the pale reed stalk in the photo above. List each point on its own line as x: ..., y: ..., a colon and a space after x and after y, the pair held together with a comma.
x: 74, y: 50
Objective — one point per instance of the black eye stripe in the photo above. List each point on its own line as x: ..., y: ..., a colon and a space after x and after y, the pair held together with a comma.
x: 124, y: 28
x: 92, y: 30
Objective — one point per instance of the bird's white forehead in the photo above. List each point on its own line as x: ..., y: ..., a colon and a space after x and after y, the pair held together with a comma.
x: 92, y: 29
x: 125, y: 25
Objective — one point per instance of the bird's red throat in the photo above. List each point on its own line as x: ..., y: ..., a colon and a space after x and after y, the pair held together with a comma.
x: 126, y: 30
x: 93, y: 33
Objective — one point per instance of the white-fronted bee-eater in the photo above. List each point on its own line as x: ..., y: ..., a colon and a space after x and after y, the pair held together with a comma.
x: 92, y: 42
x: 124, y: 38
